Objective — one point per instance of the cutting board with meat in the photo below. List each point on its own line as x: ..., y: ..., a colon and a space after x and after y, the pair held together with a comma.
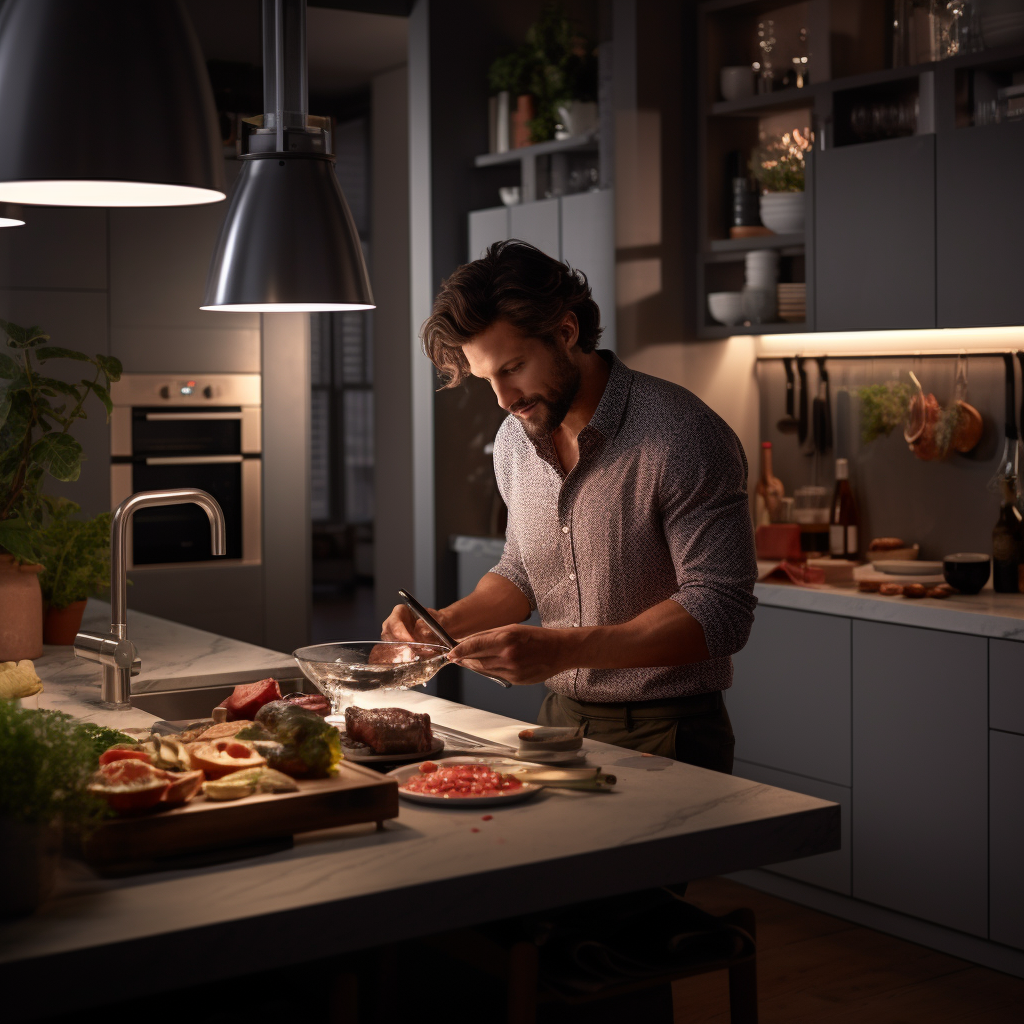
x: 229, y: 784
x: 354, y: 795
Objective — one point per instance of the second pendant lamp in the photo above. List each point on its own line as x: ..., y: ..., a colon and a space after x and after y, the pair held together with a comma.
x: 288, y: 243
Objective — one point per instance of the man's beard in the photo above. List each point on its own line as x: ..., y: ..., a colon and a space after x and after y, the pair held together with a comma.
x: 565, y: 386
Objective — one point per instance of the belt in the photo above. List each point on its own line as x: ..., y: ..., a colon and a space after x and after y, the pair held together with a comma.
x: 628, y: 711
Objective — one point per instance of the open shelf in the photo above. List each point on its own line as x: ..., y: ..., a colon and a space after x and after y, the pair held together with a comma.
x: 764, y: 103
x: 581, y: 142
x: 721, y: 331
x: 741, y: 245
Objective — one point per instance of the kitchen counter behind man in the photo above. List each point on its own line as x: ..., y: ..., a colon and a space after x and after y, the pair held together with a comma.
x: 174, y: 657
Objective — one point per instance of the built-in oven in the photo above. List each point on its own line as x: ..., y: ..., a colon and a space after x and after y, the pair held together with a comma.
x: 176, y: 431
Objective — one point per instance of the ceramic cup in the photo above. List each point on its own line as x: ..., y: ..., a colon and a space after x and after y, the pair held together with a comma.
x: 736, y: 82
x: 967, y: 571
x: 726, y: 307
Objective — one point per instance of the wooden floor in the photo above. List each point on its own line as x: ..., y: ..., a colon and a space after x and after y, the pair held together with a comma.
x: 816, y: 969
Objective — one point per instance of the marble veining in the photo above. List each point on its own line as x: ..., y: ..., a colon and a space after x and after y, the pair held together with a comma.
x: 174, y: 657
x: 988, y: 614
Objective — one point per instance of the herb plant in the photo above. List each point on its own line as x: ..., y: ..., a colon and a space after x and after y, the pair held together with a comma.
x: 779, y: 164
x: 76, y: 554
x: 45, y: 763
x: 883, y: 407
x: 37, y: 413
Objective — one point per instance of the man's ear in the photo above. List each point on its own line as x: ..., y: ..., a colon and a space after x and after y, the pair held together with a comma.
x: 569, y: 330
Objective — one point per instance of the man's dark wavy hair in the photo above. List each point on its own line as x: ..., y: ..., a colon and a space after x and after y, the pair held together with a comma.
x: 514, y: 282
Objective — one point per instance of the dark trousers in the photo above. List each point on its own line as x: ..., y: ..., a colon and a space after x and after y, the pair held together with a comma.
x: 694, y: 729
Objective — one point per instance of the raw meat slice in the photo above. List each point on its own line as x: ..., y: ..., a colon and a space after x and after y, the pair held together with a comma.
x: 390, y: 730
x: 249, y: 698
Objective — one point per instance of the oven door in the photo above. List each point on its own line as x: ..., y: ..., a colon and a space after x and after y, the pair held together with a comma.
x: 181, y: 533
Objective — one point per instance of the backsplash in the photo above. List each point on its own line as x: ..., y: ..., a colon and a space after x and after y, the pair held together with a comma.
x: 944, y: 506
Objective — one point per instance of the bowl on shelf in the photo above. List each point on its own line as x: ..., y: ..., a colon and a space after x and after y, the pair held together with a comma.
x: 509, y: 194
x: 341, y: 670
x: 967, y: 571
x: 783, y: 212
x: 726, y: 307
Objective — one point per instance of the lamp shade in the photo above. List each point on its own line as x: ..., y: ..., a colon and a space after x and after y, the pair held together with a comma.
x: 288, y: 243
x: 105, y: 103
x: 11, y: 216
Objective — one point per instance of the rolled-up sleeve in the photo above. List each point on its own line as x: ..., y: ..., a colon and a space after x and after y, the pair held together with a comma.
x: 706, y: 515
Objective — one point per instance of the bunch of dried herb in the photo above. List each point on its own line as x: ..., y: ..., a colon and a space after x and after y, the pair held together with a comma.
x: 883, y: 408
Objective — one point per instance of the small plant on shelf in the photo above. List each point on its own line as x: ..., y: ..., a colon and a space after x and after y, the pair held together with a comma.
x: 779, y: 164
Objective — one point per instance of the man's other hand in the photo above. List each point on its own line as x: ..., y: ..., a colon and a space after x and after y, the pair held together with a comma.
x: 403, y: 624
x: 519, y: 654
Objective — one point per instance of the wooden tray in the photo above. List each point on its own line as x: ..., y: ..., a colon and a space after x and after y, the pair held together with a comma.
x: 356, y: 794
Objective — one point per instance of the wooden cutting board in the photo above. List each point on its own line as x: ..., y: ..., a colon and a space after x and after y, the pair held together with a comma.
x: 353, y: 796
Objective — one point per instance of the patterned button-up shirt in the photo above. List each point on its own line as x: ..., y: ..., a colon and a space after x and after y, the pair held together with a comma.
x: 655, y: 509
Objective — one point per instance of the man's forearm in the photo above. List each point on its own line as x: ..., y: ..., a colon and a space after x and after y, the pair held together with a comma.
x: 666, y: 634
x: 495, y: 602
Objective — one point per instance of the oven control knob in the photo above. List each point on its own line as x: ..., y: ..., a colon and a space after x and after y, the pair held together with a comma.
x: 165, y: 392
x: 208, y: 392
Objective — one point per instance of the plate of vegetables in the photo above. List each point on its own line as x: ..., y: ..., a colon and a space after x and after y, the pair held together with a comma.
x: 464, y: 782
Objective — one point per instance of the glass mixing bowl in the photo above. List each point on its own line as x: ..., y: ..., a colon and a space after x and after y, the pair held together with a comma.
x: 341, y: 670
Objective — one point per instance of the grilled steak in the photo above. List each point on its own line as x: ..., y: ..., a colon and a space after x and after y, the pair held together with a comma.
x: 389, y: 730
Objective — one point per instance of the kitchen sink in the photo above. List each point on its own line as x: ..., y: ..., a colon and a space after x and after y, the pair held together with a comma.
x: 175, y: 705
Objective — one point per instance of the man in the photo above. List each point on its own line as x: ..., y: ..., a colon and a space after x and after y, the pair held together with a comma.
x: 628, y: 522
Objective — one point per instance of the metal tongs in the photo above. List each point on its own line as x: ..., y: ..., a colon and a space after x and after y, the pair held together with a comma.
x: 439, y: 631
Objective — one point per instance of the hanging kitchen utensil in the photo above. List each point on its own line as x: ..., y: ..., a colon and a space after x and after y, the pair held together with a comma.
x: 823, y: 377
x: 788, y: 424
x: 924, y: 417
x: 802, y: 425
x: 967, y: 424
x: 1009, y: 460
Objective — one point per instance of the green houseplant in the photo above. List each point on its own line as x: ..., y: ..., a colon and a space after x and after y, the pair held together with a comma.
x: 75, y: 554
x: 45, y: 763
x: 37, y: 414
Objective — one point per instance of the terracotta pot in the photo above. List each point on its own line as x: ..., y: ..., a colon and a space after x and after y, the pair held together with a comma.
x: 21, y: 610
x: 61, y: 625
x: 521, y: 118
x: 29, y: 856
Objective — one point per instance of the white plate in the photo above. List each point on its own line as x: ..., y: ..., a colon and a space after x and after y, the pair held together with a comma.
x: 502, y: 764
x: 905, y: 568
x: 353, y: 754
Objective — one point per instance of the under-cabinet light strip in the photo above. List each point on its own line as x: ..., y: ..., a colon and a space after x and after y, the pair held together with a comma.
x: 887, y: 344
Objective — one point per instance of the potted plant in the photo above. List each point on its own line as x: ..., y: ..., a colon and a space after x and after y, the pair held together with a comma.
x: 37, y: 413
x: 76, y: 556
x: 45, y: 763
x: 779, y: 168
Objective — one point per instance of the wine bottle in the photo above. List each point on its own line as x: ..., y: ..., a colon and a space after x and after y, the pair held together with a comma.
x: 770, y: 490
x: 843, y: 541
x: 1007, y: 540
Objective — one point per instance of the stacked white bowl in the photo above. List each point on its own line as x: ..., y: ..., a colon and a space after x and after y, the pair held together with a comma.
x: 762, y: 275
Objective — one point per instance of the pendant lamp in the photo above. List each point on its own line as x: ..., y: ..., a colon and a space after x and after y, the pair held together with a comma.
x: 11, y: 216
x: 105, y: 103
x: 288, y: 243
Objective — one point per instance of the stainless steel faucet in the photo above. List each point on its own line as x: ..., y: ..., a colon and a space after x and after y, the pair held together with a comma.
x: 113, y: 650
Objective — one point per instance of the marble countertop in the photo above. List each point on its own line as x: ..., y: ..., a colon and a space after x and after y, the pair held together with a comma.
x: 986, y: 614
x: 429, y: 870
x: 174, y: 657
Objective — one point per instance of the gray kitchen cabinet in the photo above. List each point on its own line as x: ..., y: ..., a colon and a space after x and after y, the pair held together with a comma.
x: 539, y: 224
x: 979, y: 210
x: 1006, y: 838
x: 59, y: 247
x: 790, y: 699
x: 588, y: 244
x: 485, y: 227
x: 1006, y: 685
x: 874, y: 224
x: 826, y: 870
x: 920, y: 773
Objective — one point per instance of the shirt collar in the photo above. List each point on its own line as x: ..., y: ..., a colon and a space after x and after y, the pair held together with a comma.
x: 610, y: 410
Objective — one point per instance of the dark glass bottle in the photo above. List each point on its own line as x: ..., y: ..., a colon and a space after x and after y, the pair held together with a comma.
x: 843, y: 519
x: 1007, y: 540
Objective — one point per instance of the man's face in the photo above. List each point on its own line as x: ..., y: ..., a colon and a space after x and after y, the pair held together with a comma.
x: 535, y: 381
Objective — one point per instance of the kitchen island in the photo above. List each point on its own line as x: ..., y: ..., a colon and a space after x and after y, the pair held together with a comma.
x: 429, y: 870
x: 910, y: 715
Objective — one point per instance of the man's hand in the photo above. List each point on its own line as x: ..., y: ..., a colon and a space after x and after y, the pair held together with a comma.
x: 519, y: 654
x: 403, y: 624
